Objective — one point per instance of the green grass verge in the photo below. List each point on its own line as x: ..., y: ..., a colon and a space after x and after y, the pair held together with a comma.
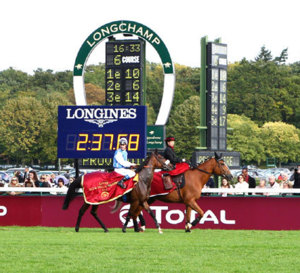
x: 41, y: 249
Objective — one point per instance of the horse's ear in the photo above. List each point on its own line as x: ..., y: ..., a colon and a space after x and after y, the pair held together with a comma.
x: 217, y: 157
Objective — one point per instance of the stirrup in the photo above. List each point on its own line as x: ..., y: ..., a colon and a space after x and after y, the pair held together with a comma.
x: 121, y: 184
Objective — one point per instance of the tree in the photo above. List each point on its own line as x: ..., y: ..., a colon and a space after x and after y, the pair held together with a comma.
x: 264, y: 90
x: 47, y: 151
x: 281, y: 141
x: 245, y: 137
x: 94, y: 94
x: 22, y: 122
x: 264, y: 55
x: 183, y: 126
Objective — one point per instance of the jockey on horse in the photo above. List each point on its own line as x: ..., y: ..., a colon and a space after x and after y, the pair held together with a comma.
x: 121, y: 164
x: 170, y: 154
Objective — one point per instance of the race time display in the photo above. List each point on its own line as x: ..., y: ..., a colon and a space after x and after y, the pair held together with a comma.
x: 124, y: 72
x: 95, y: 131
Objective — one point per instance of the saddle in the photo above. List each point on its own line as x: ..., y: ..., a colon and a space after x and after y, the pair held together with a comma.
x: 179, y: 181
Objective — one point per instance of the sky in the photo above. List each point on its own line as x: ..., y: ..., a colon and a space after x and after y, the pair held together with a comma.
x: 48, y: 34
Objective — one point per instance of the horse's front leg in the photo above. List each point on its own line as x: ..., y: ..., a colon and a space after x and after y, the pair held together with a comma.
x: 94, y: 213
x: 82, y: 210
x: 147, y: 208
x: 188, y: 224
x: 193, y: 204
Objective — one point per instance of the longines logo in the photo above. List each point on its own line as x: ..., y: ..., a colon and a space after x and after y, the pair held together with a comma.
x: 101, y: 116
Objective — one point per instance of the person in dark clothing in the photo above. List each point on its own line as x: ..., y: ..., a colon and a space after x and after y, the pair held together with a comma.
x: 250, y: 180
x: 170, y: 155
x: 169, y: 151
x: 297, y: 179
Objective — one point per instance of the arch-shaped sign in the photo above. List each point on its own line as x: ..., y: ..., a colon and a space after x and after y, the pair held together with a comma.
x: 126, y: 27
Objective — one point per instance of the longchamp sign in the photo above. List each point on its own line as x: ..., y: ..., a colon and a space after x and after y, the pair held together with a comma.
x: 260, y: 213
x: 134, y: 28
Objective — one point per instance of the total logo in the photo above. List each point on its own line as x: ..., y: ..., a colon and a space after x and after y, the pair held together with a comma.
x: 176, y: 216
x: 3, y: 211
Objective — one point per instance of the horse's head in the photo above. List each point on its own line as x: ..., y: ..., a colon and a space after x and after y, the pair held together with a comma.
x: 162, y: 163
x: 221, y: 168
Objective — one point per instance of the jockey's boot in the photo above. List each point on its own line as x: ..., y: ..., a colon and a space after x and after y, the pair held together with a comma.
x: 121, y: 183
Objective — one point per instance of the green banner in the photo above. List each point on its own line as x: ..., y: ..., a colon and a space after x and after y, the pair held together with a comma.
x: 156, y: 137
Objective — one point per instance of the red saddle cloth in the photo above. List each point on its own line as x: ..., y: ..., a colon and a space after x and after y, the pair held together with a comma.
x: 101, y: 187
x: 157, y: 186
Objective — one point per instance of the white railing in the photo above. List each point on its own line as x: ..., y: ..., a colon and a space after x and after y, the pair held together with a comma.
x: 207, y: 190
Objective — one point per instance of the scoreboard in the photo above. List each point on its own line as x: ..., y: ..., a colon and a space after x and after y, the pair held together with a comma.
x: 125, y: 60
x: 216, y: 84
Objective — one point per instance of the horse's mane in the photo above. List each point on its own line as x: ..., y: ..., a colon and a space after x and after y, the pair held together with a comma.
x: 144, y: 163
x: 210, y: 157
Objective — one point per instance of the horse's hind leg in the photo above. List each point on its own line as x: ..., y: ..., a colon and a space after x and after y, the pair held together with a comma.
x: 126, y: 222
x: 142, y: 221
x: 94, y: 213
x: 82, y: 210
x: 147, y: 208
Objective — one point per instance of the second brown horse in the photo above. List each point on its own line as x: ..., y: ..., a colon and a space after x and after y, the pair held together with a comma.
x: 195, y: 179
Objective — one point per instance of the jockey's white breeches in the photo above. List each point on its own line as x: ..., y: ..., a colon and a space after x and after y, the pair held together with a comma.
x: 126, y: 172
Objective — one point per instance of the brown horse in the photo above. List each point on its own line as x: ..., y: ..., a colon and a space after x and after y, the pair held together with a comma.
x: 195, y: 179
x: 138, y: 196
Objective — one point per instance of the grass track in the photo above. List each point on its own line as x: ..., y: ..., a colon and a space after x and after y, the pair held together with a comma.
x: 41, y: 249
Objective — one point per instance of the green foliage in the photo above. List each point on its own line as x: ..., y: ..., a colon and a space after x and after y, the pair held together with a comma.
x: 22, y: 122
x: 282, y: 141
x: 245, y: 137
x: 182, y: 126
x: 264, y: 90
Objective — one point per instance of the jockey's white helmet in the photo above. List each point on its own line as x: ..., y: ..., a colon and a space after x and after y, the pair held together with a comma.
x: 123, y: 140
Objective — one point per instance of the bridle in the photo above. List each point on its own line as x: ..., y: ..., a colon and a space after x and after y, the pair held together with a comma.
x: 219, y: 165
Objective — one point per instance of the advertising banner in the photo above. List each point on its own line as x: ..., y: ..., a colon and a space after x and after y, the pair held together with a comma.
x: 260, y: 213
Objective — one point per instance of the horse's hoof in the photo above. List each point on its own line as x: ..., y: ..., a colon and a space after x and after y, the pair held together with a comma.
x: 123, y: 230
x: 160, y: 231
x: 188, y: 230
x: 143, y: 228
x: 106, y: 230
x: 76, y: 229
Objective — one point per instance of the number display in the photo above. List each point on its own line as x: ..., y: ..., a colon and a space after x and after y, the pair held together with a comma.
x: 95, y: 131
x: 99, y: 142
x: 124, y: 72
x: 217, y: 96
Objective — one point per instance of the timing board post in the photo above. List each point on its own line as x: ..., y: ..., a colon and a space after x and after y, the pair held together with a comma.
x: 213, y: 104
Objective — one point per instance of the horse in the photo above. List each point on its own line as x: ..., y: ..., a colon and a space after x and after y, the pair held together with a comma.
x: 138, y: 196
x: 195, y: 179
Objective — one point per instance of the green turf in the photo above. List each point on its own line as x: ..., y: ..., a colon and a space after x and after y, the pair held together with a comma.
x: 40, y: 249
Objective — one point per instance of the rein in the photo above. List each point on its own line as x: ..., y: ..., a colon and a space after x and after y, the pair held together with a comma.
x: 201, y: 170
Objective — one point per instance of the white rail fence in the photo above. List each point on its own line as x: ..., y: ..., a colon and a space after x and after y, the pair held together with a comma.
x: 267, y: 191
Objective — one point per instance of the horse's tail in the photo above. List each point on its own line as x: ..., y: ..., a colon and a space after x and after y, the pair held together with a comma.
x: 71, y: 192
x: 116, y: 206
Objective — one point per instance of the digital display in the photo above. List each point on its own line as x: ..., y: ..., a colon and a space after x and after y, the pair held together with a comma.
x: 216, y: 78
x: 232, y: 159
x: 95, y: 131
x: 124, y: 72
